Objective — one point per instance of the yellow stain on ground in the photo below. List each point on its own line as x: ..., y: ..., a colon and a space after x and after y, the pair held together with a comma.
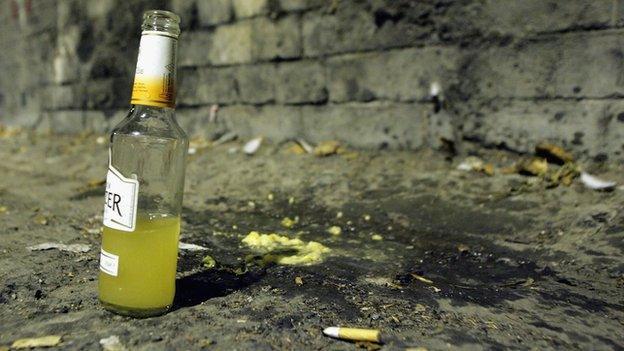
x: 287, y: 222
x: 283, y: 250
x: 334, y: 230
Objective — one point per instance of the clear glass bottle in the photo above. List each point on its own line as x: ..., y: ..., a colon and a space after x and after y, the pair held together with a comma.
x: 145, y: 183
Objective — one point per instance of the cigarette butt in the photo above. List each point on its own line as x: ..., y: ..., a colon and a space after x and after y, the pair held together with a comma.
x: 354, y: 334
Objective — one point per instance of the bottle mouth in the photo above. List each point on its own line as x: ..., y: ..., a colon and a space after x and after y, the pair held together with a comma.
x: 161, y: 21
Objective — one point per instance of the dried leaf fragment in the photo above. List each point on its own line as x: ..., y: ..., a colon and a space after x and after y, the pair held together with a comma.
x: 535, y: 166
x: 44, y: 341
x: 327, y: 148
x: 553, y: 153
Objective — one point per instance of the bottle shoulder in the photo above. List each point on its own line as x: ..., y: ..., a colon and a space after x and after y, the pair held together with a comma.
x: 143, y: 121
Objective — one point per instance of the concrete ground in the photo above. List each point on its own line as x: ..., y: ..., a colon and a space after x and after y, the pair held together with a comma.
x: 432, y: 256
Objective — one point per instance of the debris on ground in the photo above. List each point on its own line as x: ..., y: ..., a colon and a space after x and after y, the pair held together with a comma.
x: 94, y: 231
x: 3, y: 209
x: 288, y: 223
x: 596, y: 183
x: 197, y: 143
x: 209, y: 262
x: 553, y: 153
x: 475, y: 164
x: 41, y: 219
x: 296, y: 149
x: 369, y: 346
x: 227, y: 137
x: 77, y: 248
x: 300, y: 147
x: 44, y: 341
x: 334, y: 230
x: 367, y: 217
x: 112, y: 343
x: 421, y: 278
x: 305, y: 145
x: 9, y: 131
x: 100, y: 140
x: 326, y: 148
x: 94, y: 183
x: 463, y: 248
x: 270, y: 197
x: 212, y: 116
x: 252, y: 146
x: 280, y: 249
x: 191, y: 247
x: 534, y: 166
x: 376, y: 237
x: 353, y: 334
x: 299, y: 281
x: 563, y: 175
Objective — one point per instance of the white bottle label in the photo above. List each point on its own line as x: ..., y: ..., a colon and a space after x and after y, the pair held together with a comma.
x: 109, y: 263
x: 120, y: 199
x: 154, y: 79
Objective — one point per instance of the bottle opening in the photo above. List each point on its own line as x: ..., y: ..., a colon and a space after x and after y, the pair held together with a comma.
x: 161, y: 21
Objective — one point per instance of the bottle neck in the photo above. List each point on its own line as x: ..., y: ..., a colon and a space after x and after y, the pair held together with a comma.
x: 155, y: 76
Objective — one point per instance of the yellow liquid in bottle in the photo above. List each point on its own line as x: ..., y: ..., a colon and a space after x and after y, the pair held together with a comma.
x: 145, y: 281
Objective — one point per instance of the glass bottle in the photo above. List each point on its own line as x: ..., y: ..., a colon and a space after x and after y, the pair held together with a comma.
x: 145, y: 183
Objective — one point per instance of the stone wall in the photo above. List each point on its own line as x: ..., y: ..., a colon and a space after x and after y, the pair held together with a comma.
x: 372, y: 73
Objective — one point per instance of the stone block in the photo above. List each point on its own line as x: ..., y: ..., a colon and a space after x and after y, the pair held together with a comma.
x: 299, y: 5
x: 58, y: 97
x: 277, y: 123
x: 590, y: 127
x: 360, y: 26
x: 301, y: 82
x: 256, y: 83
x: 400, y: 75
x: 207, y: 86
x: 72, y: 121
x: 370, y: 125
x: 187, y: 10
x: 213, y: 12
x: 250, y: 8
x: 195, y: 48
x: 538, y: 16
x: 107, y: 94
x: 274, y: 39
x: 568, y: 65
x: 232, y: 44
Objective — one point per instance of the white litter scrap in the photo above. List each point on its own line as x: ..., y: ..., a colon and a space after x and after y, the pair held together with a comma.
x: 62, y: 247
x: 304, y: 144
x: 112, y: 343
x: 596, y: 183
x: 435, y: 89
x: 212, y: 117
x: 229, y: 136
x: 252, y: 146
x: 471, y: 163
x: 191, y: 247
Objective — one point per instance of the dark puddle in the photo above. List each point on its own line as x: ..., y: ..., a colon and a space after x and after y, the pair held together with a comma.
x: 198, y: 287
x: 485, y: 274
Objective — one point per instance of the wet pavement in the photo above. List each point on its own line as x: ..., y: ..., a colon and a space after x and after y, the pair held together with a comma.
x: 432, y: 256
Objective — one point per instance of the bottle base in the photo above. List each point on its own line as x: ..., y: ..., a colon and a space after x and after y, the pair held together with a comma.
x: 135, y: 312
